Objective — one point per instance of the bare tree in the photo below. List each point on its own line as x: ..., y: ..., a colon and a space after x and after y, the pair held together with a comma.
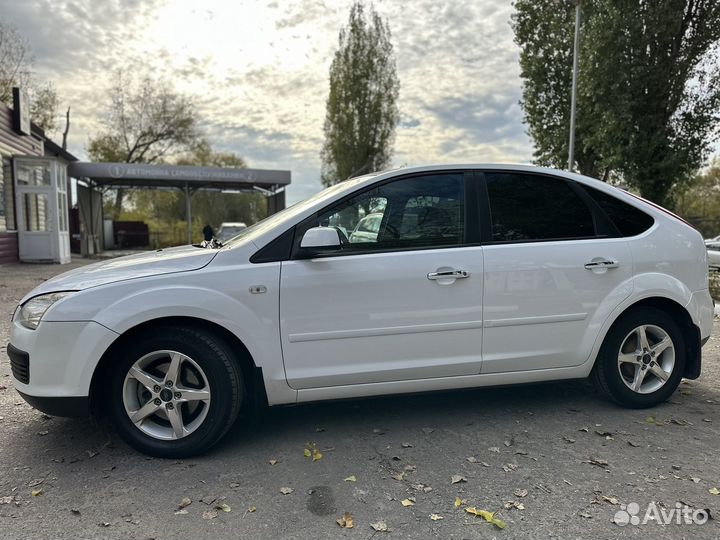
x: 16, y: 70
x: 147, y: 120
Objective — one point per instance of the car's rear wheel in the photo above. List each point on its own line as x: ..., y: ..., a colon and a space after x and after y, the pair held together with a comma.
x: 174, y: 392
x: 642, y: 359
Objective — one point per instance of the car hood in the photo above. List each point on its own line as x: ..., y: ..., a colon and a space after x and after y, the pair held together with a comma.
x: 151, y: 263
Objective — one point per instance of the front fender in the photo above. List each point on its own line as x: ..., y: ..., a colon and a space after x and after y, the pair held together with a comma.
x: 253, y: 319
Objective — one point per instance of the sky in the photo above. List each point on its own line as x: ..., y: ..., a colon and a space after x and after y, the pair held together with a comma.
x: 258, y: 72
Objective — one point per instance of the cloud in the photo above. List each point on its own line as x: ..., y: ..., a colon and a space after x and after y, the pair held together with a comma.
x: 258, y: 72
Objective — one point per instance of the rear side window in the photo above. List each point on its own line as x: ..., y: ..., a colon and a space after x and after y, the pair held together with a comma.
x: 629, y: 220
x: 525, y: 207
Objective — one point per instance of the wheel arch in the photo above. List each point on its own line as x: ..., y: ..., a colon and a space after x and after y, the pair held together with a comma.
x: 252, y: 374
x: 677, y: 311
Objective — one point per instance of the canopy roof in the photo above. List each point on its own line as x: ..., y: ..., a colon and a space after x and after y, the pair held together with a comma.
x: 179, y: 176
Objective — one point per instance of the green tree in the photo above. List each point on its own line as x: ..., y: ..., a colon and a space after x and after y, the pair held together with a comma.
x: 362, y: 111
x: 699, y: 200
x: 16, y: 70
x: 648, y: 90
x: 147, y: 121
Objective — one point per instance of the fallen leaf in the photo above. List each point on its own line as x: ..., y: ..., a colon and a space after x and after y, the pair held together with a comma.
x: 380, y: 526
x: 456, y: 479
x: 209, y: 514
x: 252, y: 509
x: 224, y: 507
x: 487, y: 516
x: 695, y: 479
x: 611, y: 500
x: 436, y: 517
x: 286, y: 490
x: 650, y: 420
x: 351, y: 478
x: 181, y: 512
x: 459, y: 502
x: 633, y: 444
x: 510, y: 467
x: 346, y: 521
x: 312, y: 451
x: 43, y: 432
x: 521, y: 492
x: 471, y: 459
x: 568, y: 440
x: 494, y: 449
x: 406, y: 445
x: 273, y: 462
x: 714, y: 491
x: 407, y: 502
x: 597, y: 462
x: 234, y: 485
x: 398, y: 476
x: 584, y: 429
x: 410, y: 468
x: 186, y: 501
x: 484, y: 464
x: 514, y: 504
x: 38, y: 492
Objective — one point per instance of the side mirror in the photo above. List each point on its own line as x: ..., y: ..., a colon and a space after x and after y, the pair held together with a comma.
x: 319, y: 240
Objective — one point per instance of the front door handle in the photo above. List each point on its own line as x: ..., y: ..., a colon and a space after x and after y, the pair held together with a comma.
x: 449, y: 274
x: 599, y: 264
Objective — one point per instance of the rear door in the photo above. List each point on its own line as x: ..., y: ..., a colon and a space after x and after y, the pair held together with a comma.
x: 402, y: 302
x: 555, y: 267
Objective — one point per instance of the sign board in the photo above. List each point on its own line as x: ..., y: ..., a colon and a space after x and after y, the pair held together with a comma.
x: 21, y: 111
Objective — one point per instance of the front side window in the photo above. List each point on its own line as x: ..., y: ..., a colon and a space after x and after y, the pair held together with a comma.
x: 528, y: 207
x: 424, y: 211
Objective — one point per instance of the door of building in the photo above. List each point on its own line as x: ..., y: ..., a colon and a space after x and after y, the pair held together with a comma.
x: 41, y: 207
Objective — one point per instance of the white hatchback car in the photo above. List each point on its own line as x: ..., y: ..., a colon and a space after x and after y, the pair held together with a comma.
x: 478, y: 275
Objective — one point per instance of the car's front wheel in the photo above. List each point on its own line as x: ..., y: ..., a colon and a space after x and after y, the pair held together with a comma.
x: 174, y: 392
x: 642, y: 359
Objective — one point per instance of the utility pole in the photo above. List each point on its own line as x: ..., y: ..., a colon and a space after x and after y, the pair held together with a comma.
x: 573, y: 97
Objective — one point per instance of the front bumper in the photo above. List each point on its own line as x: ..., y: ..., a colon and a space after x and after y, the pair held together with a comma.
x: 59, y: 361
x: 75, y: 407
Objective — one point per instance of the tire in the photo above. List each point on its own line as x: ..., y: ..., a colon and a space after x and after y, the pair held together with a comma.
x: 205, y: 395
x: 616, y: 377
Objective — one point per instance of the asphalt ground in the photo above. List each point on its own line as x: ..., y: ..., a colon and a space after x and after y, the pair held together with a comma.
x: 551, y: 460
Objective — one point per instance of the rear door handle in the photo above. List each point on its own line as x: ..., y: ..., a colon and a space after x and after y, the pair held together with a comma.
x: 449, y: 274
x: 600, y: 264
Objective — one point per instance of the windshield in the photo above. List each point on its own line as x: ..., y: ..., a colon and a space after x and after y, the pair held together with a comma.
x: 290, y: 212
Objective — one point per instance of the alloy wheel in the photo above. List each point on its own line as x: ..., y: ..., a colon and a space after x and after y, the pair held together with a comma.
x: 646, y: 359
x: 166, y: 395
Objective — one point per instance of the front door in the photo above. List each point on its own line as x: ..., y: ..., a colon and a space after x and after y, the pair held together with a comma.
x: 401, y: 300
x: 41, y: 205
x: 552, y: 275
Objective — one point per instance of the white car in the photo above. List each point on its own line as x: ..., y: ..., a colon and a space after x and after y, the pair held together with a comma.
x: 713, y: 250
x: 229, y: 229
x: 479, y: 275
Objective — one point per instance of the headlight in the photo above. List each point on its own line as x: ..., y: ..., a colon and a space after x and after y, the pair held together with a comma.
x: 32, y: 311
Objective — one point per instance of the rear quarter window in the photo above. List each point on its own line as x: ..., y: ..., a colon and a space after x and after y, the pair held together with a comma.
x: 629, y: 220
